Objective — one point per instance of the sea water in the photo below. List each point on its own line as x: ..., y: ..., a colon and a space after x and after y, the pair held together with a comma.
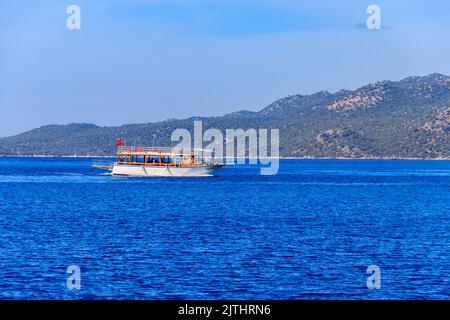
x: 309, y: 232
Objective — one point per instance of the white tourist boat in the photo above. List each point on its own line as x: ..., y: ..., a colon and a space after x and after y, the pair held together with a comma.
x: 162, y: 162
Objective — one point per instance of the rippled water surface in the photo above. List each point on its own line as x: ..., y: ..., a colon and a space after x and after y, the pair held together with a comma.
x: 309, y: 232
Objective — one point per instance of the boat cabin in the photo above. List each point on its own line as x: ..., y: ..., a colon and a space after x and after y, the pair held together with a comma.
x: 152, y: 156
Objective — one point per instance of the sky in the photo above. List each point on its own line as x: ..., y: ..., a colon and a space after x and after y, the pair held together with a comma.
x: 137, y: 61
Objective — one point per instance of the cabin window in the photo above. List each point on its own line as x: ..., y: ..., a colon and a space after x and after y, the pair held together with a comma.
x: 139, y: 159
x: 152, y: 159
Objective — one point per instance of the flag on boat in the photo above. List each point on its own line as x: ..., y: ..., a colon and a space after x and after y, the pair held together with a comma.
x: 119, y: 142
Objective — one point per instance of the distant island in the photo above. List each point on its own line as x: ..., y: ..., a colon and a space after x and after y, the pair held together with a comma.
x: 388, y: 119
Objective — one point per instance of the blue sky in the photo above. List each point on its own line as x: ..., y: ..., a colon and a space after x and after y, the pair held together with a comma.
x: 149, y: 60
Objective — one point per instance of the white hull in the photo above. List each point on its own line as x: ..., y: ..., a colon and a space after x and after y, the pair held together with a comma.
x: 163, y: 171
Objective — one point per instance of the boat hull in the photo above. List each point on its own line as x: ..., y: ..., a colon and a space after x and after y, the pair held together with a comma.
x: 164, y: 171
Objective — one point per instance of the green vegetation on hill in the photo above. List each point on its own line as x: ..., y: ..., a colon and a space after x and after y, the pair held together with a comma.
x: 408, y: 118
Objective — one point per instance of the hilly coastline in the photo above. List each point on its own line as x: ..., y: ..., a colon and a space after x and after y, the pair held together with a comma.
x: 387, y: 119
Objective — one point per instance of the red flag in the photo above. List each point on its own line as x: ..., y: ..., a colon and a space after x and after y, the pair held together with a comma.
x: 119, y: 142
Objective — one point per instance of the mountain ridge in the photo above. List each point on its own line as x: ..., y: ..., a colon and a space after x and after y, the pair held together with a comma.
x: 409, y: 118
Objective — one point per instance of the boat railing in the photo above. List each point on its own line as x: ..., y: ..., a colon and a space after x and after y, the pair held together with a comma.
x: 139, y: 149
x: 198, y: 156
x: 161, y: 150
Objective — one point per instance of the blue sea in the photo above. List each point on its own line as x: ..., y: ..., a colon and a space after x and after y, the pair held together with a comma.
x: 309, y: 232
